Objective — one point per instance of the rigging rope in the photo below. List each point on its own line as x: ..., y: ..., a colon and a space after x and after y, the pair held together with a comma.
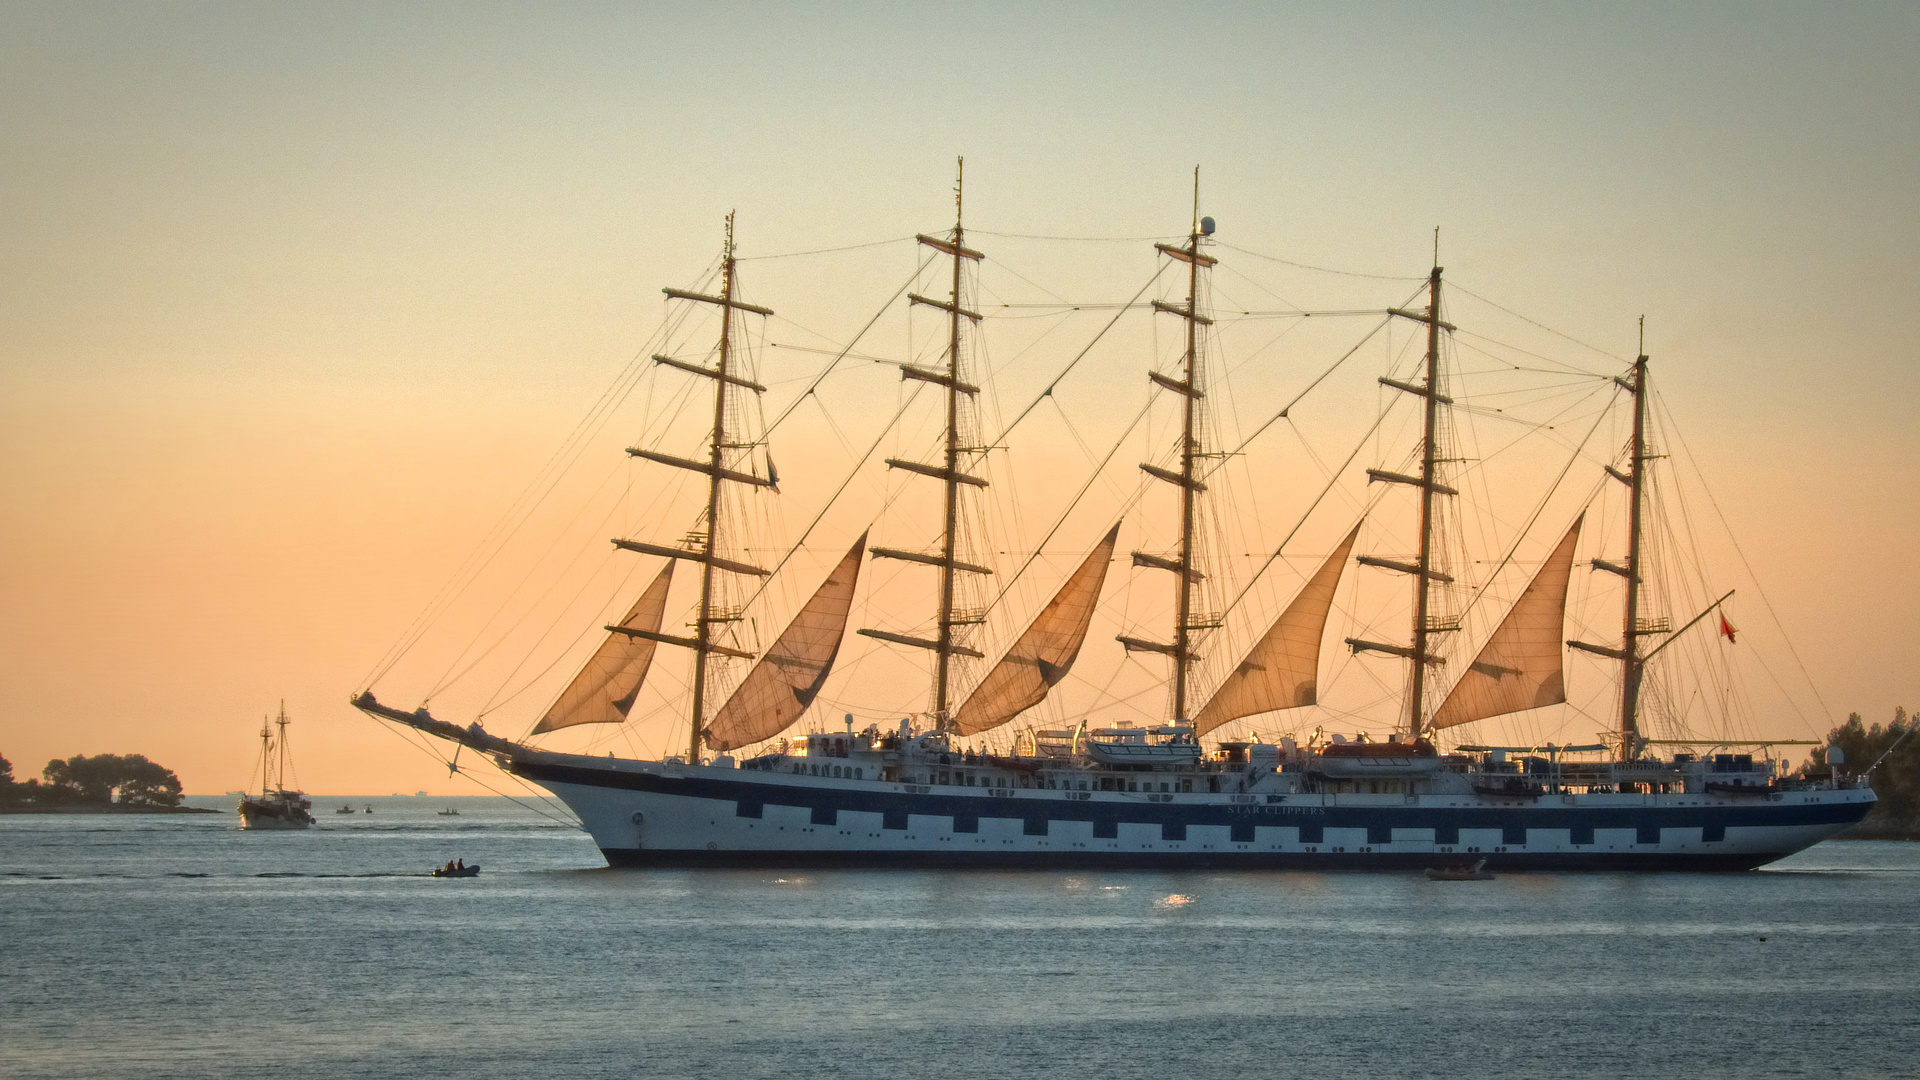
x: 1673, y: 429
x: 1081, y: 355
x: 1092, y: 477
x: 1319, y: 269
x: 823, y: 251
x: 842, y: 354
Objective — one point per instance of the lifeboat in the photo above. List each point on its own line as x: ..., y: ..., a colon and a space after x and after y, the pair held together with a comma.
x: 1373, y: 760
x: 1168, y: 744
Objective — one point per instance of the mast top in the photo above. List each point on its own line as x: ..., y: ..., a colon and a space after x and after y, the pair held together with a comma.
x: 1196, y: 204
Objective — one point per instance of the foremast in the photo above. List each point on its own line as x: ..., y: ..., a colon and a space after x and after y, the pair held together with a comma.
x: 946, y: 644
x: 719, y: 471
x: 1425, y: 625
x: 1632, y: 627
x: 1191, y: 391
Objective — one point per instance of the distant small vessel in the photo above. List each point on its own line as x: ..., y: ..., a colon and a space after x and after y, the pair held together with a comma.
x: 277, y: 806
x: 449, y: 812
x: 369, y: 808
x: 344, y: 810
x: 1477, y: 871
x: 457, y: 869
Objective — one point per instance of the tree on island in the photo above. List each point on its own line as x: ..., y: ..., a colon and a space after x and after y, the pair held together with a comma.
x: 97, y: 780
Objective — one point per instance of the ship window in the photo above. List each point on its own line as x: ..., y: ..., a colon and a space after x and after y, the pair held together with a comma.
x: 1186, y: 785
x: 856, y: 774
x: 945, y: 778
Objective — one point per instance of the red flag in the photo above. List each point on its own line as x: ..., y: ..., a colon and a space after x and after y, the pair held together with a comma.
x: 1726, y: 628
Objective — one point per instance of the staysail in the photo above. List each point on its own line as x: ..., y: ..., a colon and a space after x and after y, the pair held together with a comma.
x: 1282, y: 669
x: 605, y: 688
x: 785, y: 681
x: 1519, y: 667
x: 1044, y: 653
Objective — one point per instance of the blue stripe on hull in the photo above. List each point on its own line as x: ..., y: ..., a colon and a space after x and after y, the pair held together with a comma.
x: 648, y: 858
x: 750, y: 799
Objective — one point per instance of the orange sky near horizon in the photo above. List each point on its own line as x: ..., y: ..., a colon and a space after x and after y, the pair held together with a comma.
x: 300, y: 299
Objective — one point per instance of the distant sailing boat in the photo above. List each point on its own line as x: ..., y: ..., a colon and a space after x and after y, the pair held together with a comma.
x: 277, y: 806
x: 1125, y: 795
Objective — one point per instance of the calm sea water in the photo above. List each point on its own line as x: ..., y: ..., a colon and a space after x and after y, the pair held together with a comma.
x: 179, y: 946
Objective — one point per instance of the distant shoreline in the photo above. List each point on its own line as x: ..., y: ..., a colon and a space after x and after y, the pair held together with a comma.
x: 107, y: 810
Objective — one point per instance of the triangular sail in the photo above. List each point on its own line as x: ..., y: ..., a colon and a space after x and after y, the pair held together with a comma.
x: 605, y: 688
x: 787, y: 678
x: 1282, y: 669
x: 1044, y: 654
x: 1519, y: 667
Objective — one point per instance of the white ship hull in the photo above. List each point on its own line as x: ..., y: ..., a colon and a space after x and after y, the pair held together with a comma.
x: 645, y: 814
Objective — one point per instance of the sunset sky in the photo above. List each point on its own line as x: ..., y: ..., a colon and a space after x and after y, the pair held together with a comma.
x: 300, y: 298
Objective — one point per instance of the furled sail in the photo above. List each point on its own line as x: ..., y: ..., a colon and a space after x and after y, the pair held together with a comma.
x: 1044, y: 654
x: 1519, y: 666
x: 790, y: 674
x: 1282, y: 669
x: 605, y: 688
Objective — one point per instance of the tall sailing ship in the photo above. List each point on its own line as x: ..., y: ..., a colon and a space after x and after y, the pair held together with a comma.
x: 278, y: 806
x: 1087, y: 792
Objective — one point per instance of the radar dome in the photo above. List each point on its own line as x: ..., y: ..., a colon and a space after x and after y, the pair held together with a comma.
x: 1206, y: 226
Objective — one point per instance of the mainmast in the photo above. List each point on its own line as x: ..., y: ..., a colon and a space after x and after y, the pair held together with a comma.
x: 1423, y: 572
x: 945, y: 644
x: 281, y: 723
x: 266, y: 758
x: 1191, y: 391
x: 719, y: 470
x: 1632, y: 627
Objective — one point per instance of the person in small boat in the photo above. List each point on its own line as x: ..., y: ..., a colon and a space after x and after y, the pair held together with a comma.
x: 449, y: 866
x: 462, y: 866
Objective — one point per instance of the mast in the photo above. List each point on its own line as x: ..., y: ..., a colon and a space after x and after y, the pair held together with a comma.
x: 1189, y: 447
x: 945, y: 644
x: 266, y: 757
x: 281, y: 722
x: 943, y: 656
x: 718, y: 470
x: 1191, y: 391
x: 1632, y: 627
x: 703, y: 622
x: 1425, y: 624
x: 1631, y: 662
x: 1429, y: 451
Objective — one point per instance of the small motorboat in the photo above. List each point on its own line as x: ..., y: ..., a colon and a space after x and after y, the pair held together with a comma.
x: 344, y: 810
x: 369, y: 808
x: 457, y: 869
x: 1475, y: 872
x: 449, y: 812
